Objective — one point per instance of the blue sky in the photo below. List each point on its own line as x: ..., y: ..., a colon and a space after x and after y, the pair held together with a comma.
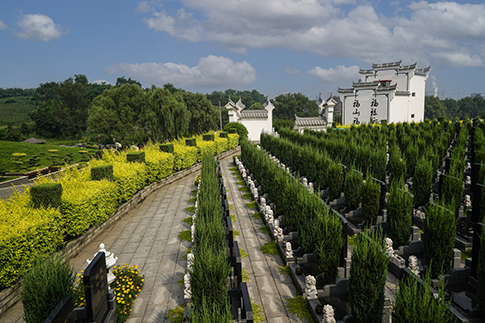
x: 273, y: 46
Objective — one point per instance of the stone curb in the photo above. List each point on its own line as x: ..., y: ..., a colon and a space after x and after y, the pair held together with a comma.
x: 10, y: 296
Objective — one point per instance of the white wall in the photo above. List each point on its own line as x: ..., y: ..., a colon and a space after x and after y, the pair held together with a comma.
x: 256, y: 127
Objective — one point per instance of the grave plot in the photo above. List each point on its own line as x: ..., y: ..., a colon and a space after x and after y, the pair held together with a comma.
x: 446, y: 192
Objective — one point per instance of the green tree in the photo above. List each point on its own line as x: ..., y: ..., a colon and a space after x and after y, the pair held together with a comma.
x: 291, y: 104
x: 72, y: 110
x: 122, y: 81
x: 203, y: 116
x: 117, y: 113
x: 452, y: 108
x: 166, y: 115
x: 433, y: 107
x: 45, y: 123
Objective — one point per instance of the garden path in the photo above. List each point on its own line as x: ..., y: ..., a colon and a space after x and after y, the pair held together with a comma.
x: 148, y: 237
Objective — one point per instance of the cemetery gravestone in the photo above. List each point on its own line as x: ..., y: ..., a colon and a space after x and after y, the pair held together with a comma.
x: 96, y: 289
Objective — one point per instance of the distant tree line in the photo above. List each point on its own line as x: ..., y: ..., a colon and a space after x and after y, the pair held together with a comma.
x: 467, y: 107
x: 15, y: 91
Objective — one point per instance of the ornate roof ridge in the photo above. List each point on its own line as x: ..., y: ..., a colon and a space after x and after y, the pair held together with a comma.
x: 384, y: 65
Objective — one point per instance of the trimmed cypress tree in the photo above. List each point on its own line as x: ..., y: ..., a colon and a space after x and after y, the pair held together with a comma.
x: 422, y: 179
x: 481, y: 273
x: 371, y: 191
x: 190, y: 142
x: 328, y: 247
x: 399, y: 214
x: 439, y: 238
x: 352, y: 189
x: 335, y: 180
x: 368, y: 273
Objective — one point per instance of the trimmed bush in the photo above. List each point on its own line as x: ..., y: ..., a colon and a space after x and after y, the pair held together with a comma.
x: 352, y: 189
x: 335, y: 180
x: 167, y: 148
x: 205, y: 147
x: 46, y: 195
x: 397, y: 164
x: 191, y: 142
x: 416, y: 302
x: 371, y: 192
x: 328, y: 248
x: 422, y: 180
x: 240, y: 130
x: 368, y: 273
x: 102, y: 172
x: 232, y: 140
x: 220, y: 144
x: 399, y: 214
x: 310, y: 211
x: 184, y: 157
x: 233, y: 130
x: 44, y: 286
x: 159, y: 164
x: 25, y: 234
x: 439, y: 238
x: 135, y: 156
x: 208, y: 137
x: 223, y: 134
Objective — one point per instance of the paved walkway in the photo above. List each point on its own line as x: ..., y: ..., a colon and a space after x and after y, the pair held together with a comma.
x: 148, y: 237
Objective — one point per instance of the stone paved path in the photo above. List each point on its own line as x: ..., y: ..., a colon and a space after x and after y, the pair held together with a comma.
x: 148, y: 237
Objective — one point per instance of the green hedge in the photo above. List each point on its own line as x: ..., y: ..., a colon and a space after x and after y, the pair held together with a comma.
x: 102, y: 172
x: 167, y: 148
x: 184, y: 157
x: 232, y: 140
x: 399, y: 214
x: 191, y: 142
x: 352, y: 189
x: 223, y: 134
x: 25, y: 234
x: 240, y: 129
x: 158, y: 164
x: 208, y: 137
x: 46, y: 195
x: 135, y: 156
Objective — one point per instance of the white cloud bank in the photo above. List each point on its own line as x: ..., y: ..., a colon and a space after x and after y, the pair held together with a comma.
x: 445, y: 33
x: 212, y: 71
x: 38, y: 27
x: 291, y: 71
x: 2, y: 25
x: 338, y: 75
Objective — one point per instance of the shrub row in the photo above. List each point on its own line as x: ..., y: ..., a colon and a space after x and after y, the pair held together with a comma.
x: 210, y: 271
x: 27, y: 232
x: 318, y: 230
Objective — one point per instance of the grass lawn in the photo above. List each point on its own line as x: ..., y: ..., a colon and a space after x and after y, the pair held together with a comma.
x: 7, y: 148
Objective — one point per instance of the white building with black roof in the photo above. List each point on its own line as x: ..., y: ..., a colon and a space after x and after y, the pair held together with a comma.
x: 389, y: 91
x: 256, y: 121
x: 324, y: 119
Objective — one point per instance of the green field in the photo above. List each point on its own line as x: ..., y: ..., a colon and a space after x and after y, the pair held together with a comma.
x: 7, y: 148
x: 15, y: 113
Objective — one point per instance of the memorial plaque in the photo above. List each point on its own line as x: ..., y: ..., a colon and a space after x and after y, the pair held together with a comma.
x: 63, y: 313
x: 95, y: 280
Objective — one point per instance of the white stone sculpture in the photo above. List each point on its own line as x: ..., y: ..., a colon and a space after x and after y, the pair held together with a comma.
x: 110, y: 261
x: 468, y: 201
x: 413, y: 265
x: 288, y: 250
x: 310, y: 188
x: 468, y: 166
x: 187, y: 289
x: 468, y: 180
x: 287, y: 170
x: 311, y: 287
x: 192, y: 229
x: 262, y: 202
x: 269, y: 217
x: 419, y: 214
x: 389, y: 250
x: 328, y: 314
x: 276, y: 224
x: 190, y: 261
x: 254, y: 191
x: 280, y: 235
x: 305, y: 181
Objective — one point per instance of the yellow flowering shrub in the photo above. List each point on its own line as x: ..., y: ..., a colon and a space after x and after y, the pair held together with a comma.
x: 184, y: 157
x: 25, y: 233
x: 203, y: 147
x: 159, y: 164
x: 232, y: 140
x: 221, y: 144
x: 128, y: 283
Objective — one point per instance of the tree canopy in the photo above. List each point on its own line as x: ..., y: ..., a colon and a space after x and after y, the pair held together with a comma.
x: 291, y: 104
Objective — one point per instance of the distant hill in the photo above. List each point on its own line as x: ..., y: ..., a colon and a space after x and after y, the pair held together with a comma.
x: 15, y: 110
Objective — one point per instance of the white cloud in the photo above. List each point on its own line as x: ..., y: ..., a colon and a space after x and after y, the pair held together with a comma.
x: 333, y: 28
x: 291, y: 71
x: 2, y: 25
x: 38, y: 27
x: 212, y: 71
x: 337, y: 75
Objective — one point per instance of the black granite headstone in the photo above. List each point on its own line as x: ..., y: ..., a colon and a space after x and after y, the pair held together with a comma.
x: 96, y: 283
x: 63, y: 313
